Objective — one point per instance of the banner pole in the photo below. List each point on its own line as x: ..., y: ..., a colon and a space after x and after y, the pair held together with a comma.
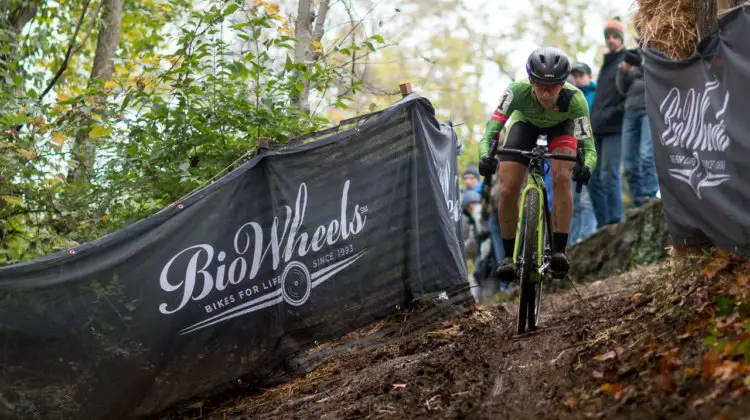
x: 405, y: 89
x: 261, y: 145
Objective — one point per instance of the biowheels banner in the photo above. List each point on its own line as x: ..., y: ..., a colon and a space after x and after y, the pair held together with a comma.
x: 296, y: 246
x: 698, y: 109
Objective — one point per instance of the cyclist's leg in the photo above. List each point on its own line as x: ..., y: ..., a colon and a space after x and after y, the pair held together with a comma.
x: 562, y: 142
x: 521, y: 135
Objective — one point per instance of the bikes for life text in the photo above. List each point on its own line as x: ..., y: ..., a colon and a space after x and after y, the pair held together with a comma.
x: 225, y: 282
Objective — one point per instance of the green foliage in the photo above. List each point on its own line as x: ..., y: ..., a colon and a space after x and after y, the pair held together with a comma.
x: 191, y: 93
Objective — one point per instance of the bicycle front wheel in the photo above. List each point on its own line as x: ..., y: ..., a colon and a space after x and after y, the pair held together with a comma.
x: 531, y: 287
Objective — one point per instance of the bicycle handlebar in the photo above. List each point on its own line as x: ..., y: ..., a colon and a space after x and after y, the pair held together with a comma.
x: 504, y: 151
x: 531, y: 154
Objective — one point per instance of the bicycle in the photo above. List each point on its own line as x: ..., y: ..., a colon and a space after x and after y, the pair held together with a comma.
x: 532, y: 251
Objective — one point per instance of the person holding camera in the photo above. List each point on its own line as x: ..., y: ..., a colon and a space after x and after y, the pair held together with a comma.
x: 637, y: 149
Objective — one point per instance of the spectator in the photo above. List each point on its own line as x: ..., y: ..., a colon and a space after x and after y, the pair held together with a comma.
x: 583, y: 80
x: 637, y: 149
x: 477, y: 243
x: 470, y: 205
x: 493, y: 225
x: 584, y: 219
x: 607, y: 111
x: 472, y: 180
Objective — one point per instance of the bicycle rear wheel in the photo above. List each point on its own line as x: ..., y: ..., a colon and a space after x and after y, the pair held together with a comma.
x: 531, y: 290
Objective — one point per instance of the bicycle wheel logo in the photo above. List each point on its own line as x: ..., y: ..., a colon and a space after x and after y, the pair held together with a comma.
x: 296, y: 284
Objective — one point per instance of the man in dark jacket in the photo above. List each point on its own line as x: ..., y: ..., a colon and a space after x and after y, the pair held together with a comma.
x: 605, y: 186
x: 637, y: 150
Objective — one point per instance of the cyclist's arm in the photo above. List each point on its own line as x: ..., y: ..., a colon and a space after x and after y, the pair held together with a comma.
x: 497, y: 122
x: 583, y: 133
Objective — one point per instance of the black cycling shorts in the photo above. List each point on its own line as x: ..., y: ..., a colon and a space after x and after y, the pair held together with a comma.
x: 522, y: 136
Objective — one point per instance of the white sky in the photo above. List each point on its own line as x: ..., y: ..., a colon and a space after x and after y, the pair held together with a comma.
x: 486, y: 16
x: 493, y: 79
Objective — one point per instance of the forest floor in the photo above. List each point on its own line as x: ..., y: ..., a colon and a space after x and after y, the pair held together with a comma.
x: 670, y: 340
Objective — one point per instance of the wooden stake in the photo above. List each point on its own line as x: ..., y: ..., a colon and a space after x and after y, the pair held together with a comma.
x: 261, y: 145
x: 405, y: 89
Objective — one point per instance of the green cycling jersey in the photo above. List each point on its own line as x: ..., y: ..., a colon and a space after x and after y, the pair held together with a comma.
x: 519, y: 103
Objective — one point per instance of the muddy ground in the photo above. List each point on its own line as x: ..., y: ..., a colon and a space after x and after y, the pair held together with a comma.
x: 609, y: 349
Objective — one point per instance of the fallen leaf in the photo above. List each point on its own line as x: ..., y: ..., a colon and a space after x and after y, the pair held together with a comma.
x: 610, y: 371
x: 699, y: 402
x: 5, y: 403
x: 669, y: 362
x: 715, y: 266
x: 690, y: 373
x: 727, y: 370
x: 728, y: 348
x: 721, y: 416
x: 605, y: 356
x: 570, y: 400
x: 709, y: 365
x: 636, y: 297
x: 665, y: 383
x: 619, y: 350
x: 395, y: 386
x: 597, y: 375
x: 725, y: 322
x: 743, y: 280
x: 615, y: 389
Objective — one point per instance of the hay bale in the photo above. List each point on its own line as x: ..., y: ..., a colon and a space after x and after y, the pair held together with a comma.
x: 669, y: 25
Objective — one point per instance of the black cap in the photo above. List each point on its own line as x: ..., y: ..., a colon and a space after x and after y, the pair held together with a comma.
x: 582, y: 67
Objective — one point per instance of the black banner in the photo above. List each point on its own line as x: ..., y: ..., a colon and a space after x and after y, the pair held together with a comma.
x: 298, y: 245
x: 698, y: 111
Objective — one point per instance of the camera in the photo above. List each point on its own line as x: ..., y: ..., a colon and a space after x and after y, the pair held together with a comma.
x: 633, y: 57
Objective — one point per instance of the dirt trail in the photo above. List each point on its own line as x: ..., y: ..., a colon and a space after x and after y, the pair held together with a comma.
x: 475, y: 367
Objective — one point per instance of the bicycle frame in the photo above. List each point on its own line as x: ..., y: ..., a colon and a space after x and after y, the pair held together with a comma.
x: 532, y: 269
x: 535, y: 181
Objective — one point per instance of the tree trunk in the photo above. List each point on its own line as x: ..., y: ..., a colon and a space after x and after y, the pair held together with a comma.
x: 304, y: 51
x: 109, y: 37
x: 15, y: 18
x: 21, y: 15
x: 705, y: 17
x: 84, y: 152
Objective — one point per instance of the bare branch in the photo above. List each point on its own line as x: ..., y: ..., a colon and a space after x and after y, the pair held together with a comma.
x: 68, y: 53
x: 320, y: 21
x: 92, y: 24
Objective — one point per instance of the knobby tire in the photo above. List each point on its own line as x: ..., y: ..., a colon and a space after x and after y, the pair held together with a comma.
x: 528, y: 309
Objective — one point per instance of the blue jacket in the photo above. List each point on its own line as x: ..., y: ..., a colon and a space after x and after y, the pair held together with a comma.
x: 589, y: 92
